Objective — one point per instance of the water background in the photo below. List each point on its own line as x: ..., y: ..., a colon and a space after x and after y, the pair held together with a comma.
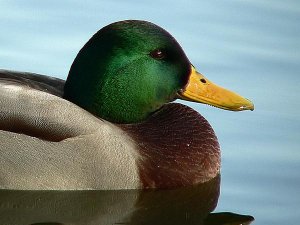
x: 251, y: 47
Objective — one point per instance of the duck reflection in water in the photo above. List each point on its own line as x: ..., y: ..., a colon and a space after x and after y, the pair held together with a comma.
x: 189, y: 205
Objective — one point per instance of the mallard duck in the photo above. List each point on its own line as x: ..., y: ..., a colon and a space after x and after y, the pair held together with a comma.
x: 112, y: 125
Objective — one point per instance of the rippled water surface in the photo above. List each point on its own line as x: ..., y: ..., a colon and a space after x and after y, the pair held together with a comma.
x: 252, y: 47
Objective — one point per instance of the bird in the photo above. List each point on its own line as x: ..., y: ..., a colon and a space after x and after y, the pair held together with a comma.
x: 113, y: 124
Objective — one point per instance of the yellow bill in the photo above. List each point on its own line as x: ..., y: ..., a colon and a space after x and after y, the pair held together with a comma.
x: 199, y: 89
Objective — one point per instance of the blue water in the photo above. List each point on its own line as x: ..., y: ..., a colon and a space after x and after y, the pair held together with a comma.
x: 251, y: 47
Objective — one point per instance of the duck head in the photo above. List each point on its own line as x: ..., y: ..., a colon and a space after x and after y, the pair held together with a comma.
x: 130, y: 69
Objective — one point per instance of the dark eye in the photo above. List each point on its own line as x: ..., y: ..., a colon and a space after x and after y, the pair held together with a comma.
x: 158, y: 54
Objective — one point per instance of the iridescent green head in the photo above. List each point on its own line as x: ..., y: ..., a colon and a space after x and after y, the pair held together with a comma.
x: 127, y: 71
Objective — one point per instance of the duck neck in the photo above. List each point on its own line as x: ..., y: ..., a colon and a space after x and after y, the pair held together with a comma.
x: 119, y: 93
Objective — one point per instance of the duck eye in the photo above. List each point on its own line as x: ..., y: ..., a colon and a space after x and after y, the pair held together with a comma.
x: 157, y: 54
